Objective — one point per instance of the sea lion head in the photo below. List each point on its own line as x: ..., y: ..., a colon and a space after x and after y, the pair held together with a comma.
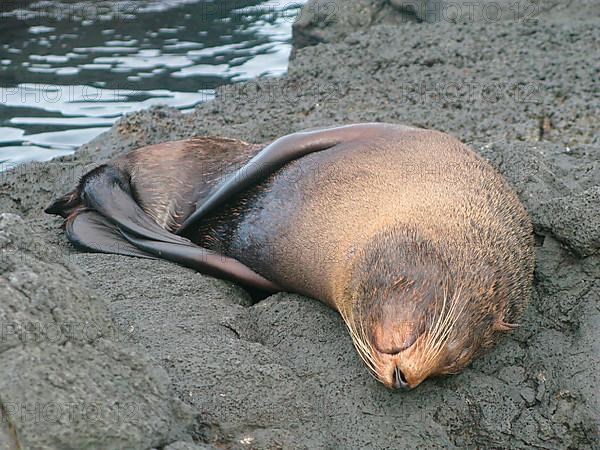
x: 413, y: 320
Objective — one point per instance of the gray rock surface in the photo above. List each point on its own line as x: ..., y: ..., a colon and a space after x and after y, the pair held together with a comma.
x: 182, y: 445
x: 68, y: 379
x: 575, y: 220
x: 326, y: 21
x: 282, y: 373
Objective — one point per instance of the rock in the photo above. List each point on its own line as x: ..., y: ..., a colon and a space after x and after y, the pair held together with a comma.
x: 324, y: 21
x: 528, y: 395
x: 512, y: 375
x: 423, y: 10
x: 181, y: 445
x: 327, y: 21
x: 68, y: 379
x: 574, y: 220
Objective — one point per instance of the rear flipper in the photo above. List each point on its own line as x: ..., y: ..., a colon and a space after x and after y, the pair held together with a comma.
x: 203, y: 260
x: 103, y: 216
x: 92, y: 232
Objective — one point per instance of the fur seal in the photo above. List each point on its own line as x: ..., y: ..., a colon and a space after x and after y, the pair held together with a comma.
x: 417, y: 242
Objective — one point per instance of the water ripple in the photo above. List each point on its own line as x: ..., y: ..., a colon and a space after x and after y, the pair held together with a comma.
x: 69, y: 70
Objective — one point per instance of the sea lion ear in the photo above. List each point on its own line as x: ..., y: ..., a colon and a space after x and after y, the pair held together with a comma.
x: 63, y: 206
x: 501, y: 326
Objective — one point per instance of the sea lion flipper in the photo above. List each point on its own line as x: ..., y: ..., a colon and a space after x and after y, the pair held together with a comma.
x: 65, y: 204
x: 276, y: 155
x: 107, y: 218
x: 91, y: 231
x: 107, y: 189
x: 204, y: 261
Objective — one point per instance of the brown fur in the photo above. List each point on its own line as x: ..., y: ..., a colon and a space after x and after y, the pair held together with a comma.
x: 169, y: 178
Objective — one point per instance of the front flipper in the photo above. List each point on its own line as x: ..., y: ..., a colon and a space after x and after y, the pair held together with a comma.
x: 276, y: 155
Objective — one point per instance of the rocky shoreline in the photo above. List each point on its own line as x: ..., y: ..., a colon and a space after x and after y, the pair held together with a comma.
x: 102, y: 351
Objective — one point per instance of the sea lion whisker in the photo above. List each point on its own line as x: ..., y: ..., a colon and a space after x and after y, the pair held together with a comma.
x: 444, y: 329
x: 433, y: 335
x: 364, y: 334
x: 435, y: 341
x: 365, y: 356
x: 361, y: 344
x: 366, y: 342
x: 358, y: 344
x: 451, y: 319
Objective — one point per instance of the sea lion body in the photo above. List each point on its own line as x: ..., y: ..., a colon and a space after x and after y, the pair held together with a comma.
x: 420, y: 245
x: 303, y: 227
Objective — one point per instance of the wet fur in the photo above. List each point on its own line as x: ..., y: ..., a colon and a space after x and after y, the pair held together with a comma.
x: 170, y: 178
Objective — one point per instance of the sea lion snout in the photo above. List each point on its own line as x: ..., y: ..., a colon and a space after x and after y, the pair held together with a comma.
x: 393, y: 340
x: 396, y: 323
x: 399, y: 379
x: 412, y: 327
x: 403, y: 370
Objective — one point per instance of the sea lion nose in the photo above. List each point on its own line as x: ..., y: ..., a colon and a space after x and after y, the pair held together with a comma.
x: 400, y: 380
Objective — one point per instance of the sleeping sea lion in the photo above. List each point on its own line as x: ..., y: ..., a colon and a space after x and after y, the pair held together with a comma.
x: 418, y: 243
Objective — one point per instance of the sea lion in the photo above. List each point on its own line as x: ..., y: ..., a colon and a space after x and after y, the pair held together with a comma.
x: 419, y: 244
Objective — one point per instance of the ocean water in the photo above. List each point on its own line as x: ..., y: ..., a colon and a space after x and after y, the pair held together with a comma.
x: 70, y: 69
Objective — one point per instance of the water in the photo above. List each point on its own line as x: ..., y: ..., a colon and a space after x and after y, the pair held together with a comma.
x: 69, y: 69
